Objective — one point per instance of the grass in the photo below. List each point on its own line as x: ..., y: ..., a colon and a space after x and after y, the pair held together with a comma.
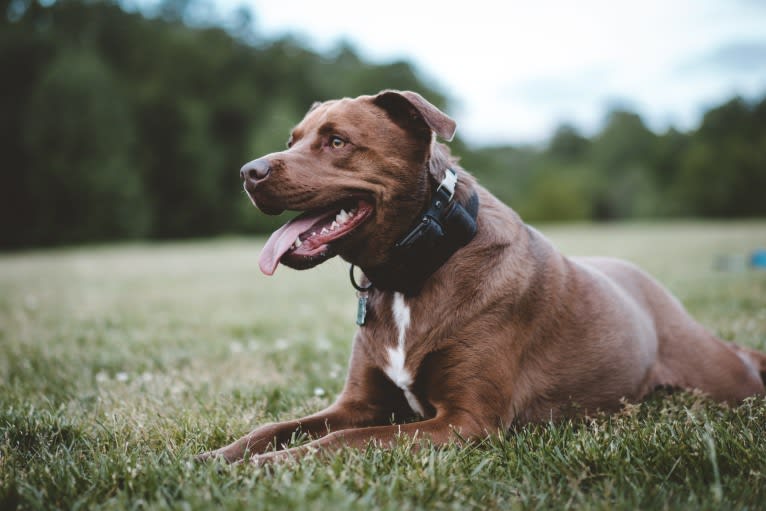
x: 119, y: 363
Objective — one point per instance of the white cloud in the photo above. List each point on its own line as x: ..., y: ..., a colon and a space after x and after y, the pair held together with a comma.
x: 516, y: 69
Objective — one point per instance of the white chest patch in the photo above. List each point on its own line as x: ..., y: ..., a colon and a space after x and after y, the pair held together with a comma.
x: 396, y: 356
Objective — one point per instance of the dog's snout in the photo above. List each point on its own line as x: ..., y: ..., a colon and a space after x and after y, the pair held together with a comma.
x: 255, y: 170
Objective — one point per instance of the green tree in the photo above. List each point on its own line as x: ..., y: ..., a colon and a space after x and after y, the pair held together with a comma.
x: 622, y: 153
x: 79, y: 136
x: 568, y: 145
x: 558, y: 193
x: 724, y: 171
x: 117, y: 124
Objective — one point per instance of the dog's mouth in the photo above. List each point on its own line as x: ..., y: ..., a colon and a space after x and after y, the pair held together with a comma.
x: 308, y: 239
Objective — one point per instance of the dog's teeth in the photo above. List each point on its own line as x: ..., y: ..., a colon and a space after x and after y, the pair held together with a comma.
x: 334, y: 226
x: 342, y: 217
x: 324, y: 231
x: 297, y: 243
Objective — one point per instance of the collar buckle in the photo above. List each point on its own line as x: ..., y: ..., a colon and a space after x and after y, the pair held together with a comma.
x: 449, y: 182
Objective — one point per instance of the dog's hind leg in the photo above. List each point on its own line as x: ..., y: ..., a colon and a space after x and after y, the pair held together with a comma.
x: 697, y: 359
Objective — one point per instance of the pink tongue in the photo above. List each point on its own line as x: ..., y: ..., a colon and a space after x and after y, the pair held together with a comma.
x: 282, y: 239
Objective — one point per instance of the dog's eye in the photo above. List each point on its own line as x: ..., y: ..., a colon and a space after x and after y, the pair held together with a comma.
x: 337, y: 142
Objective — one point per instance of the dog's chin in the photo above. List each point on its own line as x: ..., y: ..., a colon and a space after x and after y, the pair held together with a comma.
x: 269, y: 210
x: 304, y: 262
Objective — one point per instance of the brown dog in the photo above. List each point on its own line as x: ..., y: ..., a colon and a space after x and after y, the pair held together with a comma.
x: 471, y: 320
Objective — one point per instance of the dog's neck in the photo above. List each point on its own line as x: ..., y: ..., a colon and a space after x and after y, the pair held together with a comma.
x: 439, y: 231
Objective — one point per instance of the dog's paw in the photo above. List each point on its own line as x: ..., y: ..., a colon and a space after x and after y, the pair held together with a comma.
x: 205, y: 456
x: 269, y: 458
x: 217, y: 455
x: 229, y: 455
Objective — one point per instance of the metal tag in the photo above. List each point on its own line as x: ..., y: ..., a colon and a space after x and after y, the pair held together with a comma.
x: 361, y: 309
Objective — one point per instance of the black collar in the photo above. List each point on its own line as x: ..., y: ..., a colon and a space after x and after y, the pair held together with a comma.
x: 444, y: 227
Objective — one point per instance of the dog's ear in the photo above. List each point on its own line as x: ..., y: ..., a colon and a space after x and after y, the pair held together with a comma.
x: 410, y: 108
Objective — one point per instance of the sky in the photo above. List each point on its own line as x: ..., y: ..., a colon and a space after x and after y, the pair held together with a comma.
x: 514, y: 70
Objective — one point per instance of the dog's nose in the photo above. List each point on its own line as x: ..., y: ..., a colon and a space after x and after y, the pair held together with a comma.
x: 255, y: 170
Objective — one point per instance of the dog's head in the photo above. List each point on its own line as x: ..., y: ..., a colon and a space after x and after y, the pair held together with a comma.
x: 357, y: 169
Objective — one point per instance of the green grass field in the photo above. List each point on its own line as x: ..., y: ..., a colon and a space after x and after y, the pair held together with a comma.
x: 119, y: 363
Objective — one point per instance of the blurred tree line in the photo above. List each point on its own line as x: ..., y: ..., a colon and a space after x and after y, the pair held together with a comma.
x: 118, y: 125
x: 628, y: 171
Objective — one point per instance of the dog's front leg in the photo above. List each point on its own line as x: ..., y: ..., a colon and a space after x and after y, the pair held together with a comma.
x: 341, y: 415
x: 439, y: 430
x: 369, y: 398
